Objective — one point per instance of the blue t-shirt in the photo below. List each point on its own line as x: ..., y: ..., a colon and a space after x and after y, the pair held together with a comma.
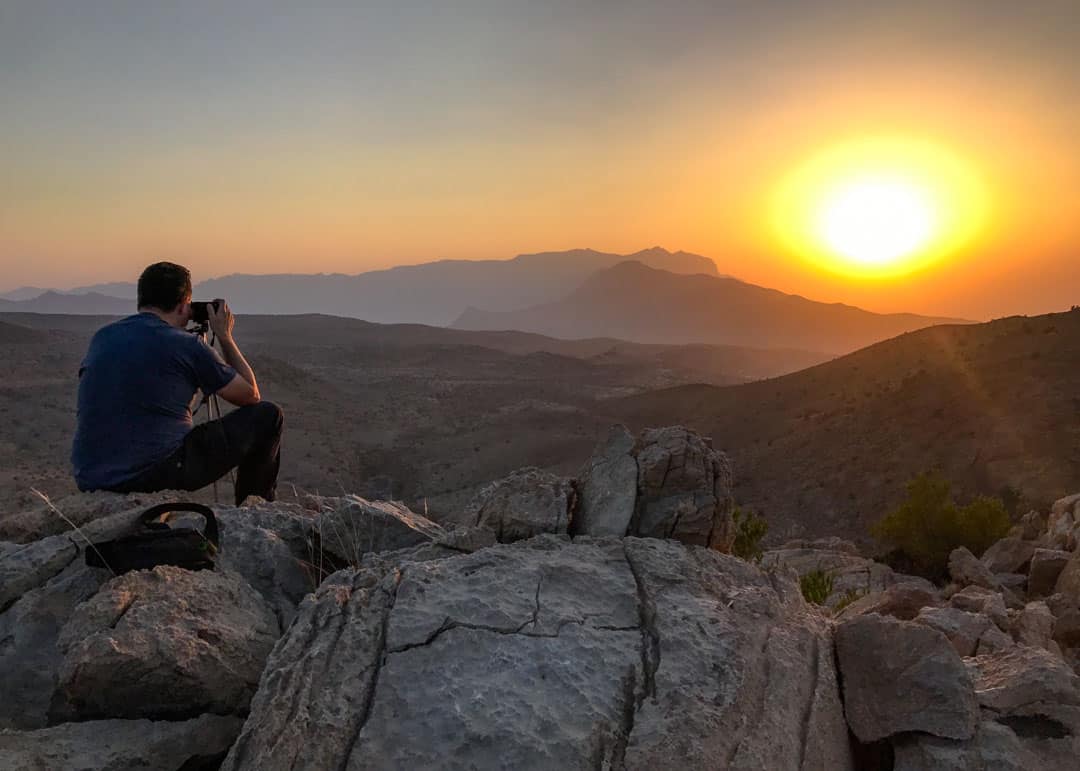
x: 136, y: 387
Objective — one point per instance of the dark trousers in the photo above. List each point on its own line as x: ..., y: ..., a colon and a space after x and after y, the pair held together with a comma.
x: 247, y: 439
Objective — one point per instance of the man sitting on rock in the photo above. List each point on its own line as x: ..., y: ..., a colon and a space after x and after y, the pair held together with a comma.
x: 136, y: 389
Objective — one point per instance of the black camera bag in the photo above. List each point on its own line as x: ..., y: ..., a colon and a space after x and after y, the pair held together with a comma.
x: 160, y: 544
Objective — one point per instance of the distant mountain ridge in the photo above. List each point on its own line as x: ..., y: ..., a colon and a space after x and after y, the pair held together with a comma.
x: 51, y: 301
x: 432, y: 293
x: 634, y: 301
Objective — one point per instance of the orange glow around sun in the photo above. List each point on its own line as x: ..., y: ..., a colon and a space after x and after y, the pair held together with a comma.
x: 879, y: 208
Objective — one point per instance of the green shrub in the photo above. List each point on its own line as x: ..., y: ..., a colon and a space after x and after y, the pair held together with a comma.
x: 816, y: 586
x: 750, y: 529
x: 928, y: 525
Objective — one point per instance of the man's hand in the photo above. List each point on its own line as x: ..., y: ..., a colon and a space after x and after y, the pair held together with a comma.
x: 221, y: 319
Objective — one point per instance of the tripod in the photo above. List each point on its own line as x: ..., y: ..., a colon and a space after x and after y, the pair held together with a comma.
x: 213, y: 406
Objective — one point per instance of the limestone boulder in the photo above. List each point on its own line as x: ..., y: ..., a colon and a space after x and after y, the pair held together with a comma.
x: 1034, y: 625
x: 528, y: 502
x: 270, y: 547
x: 963, y: 629
x: 994, y: 748
x: 163, y: 643
x: 348, y: 527
x: 608, y: 487
x: 30, y: 625
x: 121, y: 745
x: 1046, y: 567
x: 1009, y: 555
x: 44, y: 517
x: 993, y: 640
x: 1068, y: 583
x: 1063, y: 523
x: 966, y: 570
x: 1067, y: 629
x: 976, y: 599
x: 903, y: 601
x: 1037, y: 695
x: 547, y: 653
x: 1031, y: 527
x: 684, y: 489
x: 902, y: 676
x: 26, y: 566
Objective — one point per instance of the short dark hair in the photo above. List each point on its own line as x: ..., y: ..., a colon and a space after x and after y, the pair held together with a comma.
x: 164, y: 285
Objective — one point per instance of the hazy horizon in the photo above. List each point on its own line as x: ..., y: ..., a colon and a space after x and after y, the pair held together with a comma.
x: 267, y: 138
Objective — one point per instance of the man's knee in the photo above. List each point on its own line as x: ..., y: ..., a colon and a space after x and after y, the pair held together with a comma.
x: 269, y: 416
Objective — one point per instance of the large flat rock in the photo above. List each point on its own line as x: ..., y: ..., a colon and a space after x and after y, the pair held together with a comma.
x: 551, y: 654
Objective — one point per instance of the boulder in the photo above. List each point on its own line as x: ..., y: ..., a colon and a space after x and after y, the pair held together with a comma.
x: 976, y: 599
x: 994, y: 748
x: 44, y: 517
x: 1067, y: 629
x: 1034, y: 626
x: 1068, y: 582
x: 992, y: 641
x: 1031, y: 526
x: 26, y: 566
x: 528, y: 502
x: 684, y: 489
x: 1037, y: 695
x: 164, y: 643
x: 966, y: 570
x: 832, y: 543
x: 963, y: 629
x: 1009, y: 555
x: 608, y: 487
x: 902, y: 676
x: 31, y: 624
x: 902, y: 601
x: 1046, y: 566
x: 121, y: 745
x: 853, y: 576
x: 348, y: 527
x: 635, y: 654
x: 1063, y: 523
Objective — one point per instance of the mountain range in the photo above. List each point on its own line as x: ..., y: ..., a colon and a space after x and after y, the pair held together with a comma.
x: 433, y: 293
x: 651, y: 296
x: 634, y: 301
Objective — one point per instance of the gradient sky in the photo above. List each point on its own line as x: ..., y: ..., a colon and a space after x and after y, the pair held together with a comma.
x: 304, y: 137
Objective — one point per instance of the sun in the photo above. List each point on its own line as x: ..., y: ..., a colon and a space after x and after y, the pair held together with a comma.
x: 879, y: 208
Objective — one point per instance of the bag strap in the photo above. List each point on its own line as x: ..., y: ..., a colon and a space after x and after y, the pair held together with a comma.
x: 151, y: 516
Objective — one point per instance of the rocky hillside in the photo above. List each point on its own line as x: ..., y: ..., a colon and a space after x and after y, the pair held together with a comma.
x: 828, y: 450
x: 634, y: 301
x: 594, y: 622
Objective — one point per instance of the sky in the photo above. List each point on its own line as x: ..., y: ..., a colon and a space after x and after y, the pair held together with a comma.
x: 267, y: 137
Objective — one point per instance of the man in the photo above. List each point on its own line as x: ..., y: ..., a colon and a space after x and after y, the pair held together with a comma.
x: 136, y: 387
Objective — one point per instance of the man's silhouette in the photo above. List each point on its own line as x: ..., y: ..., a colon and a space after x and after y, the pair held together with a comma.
x: 136, y: 389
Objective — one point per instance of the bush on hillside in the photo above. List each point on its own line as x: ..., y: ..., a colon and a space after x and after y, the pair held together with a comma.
x: 928, y: 525
x: 750, y: 530
x: 816, y: 586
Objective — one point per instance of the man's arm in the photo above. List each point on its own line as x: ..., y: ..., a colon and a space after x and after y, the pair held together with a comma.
x: 242, y: 389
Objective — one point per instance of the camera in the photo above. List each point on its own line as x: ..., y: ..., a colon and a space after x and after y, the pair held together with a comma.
x: 200, y: 310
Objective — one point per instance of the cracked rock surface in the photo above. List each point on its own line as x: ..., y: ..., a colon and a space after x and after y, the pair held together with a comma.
x: 164, y: 643
x: 597, y: 653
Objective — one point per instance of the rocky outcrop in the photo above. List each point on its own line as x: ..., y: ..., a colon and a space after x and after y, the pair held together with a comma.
x: 976, y: 599
x: 121, y: 745
x: 528, y: 502
x: 903, y: 601
x: 963, y: 629
x: 348, y: 527
x: 48, y: 517
x: 164, y: 643
x: 966, y: 570
x: 608, y: 487
x: 1046, y: 567
x: 994, y: 748
x: 902, y: 676
x: 633, y: 653
x: 1009, y: 555
x: 1063, y: 523
x: 684, y: 489
x: 855, y: 579
x: 670, y: 483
